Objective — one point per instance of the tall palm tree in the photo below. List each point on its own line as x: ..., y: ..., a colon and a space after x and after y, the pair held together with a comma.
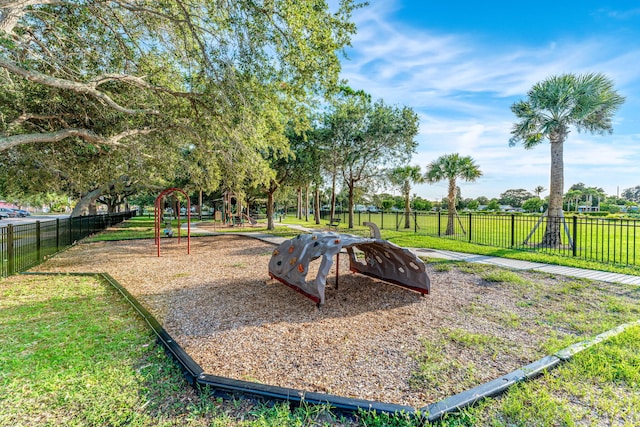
x: 451, y: 167
x: 573, y: 196
x: 539, y: 190
x: 586, y: 101
x: 404, y: 177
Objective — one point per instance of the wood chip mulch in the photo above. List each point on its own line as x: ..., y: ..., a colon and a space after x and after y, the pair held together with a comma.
x: 221, y: 306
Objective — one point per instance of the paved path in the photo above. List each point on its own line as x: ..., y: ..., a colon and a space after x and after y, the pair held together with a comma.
x: 513, y: 264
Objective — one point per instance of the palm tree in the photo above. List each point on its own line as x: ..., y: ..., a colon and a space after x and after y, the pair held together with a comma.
x: 586, y: 101
x: 539, y: 190
x: 573, y: 196
x: 451, y: 167
x: 403, y: 177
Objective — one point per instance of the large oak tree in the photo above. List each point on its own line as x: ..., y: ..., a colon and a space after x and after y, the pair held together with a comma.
x: 227, y: 75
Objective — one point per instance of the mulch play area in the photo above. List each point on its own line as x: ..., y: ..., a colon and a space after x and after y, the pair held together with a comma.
x: 368, y: 341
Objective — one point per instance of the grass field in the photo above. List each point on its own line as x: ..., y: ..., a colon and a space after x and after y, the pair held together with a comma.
x: 610, y: 240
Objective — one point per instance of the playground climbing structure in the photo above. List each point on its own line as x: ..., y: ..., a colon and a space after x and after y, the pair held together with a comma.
x: 379, y: 258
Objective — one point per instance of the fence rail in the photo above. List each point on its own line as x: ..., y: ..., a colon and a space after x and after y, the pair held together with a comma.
x: 23, y: 246
x: 608, y: 240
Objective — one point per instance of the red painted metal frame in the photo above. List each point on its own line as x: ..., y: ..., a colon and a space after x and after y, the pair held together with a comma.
x: 158, y: 217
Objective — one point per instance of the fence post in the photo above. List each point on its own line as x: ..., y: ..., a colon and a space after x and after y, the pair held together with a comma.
x: 57, y: 234
x: 469, y: 227
x: 439, y: 215
x: 397, y: 225
x: 513, y: 230
x: 38, y: 241
x: 575, y: 235
x: 415, y: 222
x: 10, y: 254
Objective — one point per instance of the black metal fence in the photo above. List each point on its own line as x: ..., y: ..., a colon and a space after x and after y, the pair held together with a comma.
x: 609, y: 240
x: 24, y: 245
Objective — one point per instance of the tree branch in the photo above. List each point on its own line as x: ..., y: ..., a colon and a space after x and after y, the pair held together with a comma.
x: 27, y: 117
x: 85, y: 134
x: 79, y: 87
x: 12, y: 10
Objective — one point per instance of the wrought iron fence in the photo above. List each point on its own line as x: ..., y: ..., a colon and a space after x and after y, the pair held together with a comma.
x: 24, y: 245
x: 609, y: 240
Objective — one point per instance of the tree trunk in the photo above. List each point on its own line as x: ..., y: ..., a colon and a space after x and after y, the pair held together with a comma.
x: 552, y: 236
x: 85, y: 201
x: 407, y: 210
x: 351, y: 204
x: 111, y: 204
x: 306, y: 203
x: 451, y: 225
x: 316, y: 211
x: 270, y: 208
x: 333, y: 197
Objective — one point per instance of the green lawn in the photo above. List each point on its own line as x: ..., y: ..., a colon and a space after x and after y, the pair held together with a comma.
x: 139, y: 227
x: 611, y: 240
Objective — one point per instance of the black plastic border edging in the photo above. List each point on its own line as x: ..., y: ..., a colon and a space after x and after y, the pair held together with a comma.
x: 456, y: 402
x: 433, y: 412
x: 191, y: 369
x: 492, y: 388
x: 196, y: 376
x: 229, y: 385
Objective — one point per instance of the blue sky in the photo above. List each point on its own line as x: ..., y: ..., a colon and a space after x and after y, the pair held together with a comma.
x: 461, y: 65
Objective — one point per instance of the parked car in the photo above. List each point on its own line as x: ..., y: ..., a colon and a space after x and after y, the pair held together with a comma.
x: 21, y: 213
x: 372, y: 209
x: 10, y: 212
x: 4, y: 215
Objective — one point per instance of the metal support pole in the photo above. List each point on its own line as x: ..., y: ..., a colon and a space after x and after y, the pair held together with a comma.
x: 575, y: 236
x: 57, y: 234
x: 337, y: 268
x: 513, y: 231
x: 38, y: 242
x: 10, y: 254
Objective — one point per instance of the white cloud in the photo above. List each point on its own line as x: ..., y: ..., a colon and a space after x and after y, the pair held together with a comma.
x: 462, y: 90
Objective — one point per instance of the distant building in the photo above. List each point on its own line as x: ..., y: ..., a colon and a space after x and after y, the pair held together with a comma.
x: 503, y: 208
x: 588, y: 209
